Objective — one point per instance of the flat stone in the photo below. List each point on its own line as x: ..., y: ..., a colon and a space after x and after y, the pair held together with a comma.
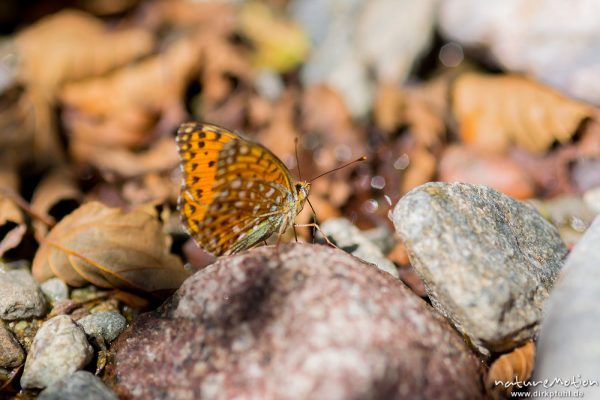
x: 488, y: 262
x: 569, y: 344
x: 58, y: 349
x: 349, y: 238
x: 71, y: 387
x: 296, y: 321
x: 20, y: 296
x: 11, y: 353
x: 108, y: 324
x: 55, y: 290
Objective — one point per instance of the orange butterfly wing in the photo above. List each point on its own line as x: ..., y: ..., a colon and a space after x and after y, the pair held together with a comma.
x: 235, y: 192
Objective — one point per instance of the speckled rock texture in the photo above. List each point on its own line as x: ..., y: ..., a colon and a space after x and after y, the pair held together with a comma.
x: 488, y: 262
x: 20, y: 296
x: 79, y: 385
x: 569, y: 343
x: 294, y: 322
x: 11, y: 353
x: 108, y: 324
x: 58, y: 349
x: 349, y: 238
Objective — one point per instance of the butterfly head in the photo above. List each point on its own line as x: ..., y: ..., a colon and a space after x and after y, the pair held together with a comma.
x: 302, y: 190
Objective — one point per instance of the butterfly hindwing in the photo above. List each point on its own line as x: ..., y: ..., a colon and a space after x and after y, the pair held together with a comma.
x: 235, y: 192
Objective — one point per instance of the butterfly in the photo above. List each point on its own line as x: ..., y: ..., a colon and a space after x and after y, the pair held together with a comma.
x: 235, y: 192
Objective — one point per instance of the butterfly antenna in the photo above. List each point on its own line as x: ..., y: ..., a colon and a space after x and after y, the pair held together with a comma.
x: 363, y: 158
x: 297, y: 159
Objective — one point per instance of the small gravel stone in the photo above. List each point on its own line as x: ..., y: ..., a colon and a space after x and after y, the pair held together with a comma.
x: 11, y: 353
x: 20, y: 296
x: 569, y: 344
x: 72, y: 387
x: 488, y: 262
x: 349, y: 238
x: 59, y: 349
x: 55, y: 290
x: 107, y: 324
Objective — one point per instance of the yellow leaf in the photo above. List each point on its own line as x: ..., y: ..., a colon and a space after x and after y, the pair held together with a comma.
x: 279, y: 43
x: 496, y: 111
x: 110, y: 249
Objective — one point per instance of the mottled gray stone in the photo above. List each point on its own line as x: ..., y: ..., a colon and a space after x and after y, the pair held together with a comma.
x: 487, y: 261
x: 569, y: 339
x: 58, y: 349
x: 11, y: 353
x: 78, y: 385
x: 349, y: 238
x: 108, y: 324
x: 296, y: 321
x: 20, y: 296
x: 55, y: 290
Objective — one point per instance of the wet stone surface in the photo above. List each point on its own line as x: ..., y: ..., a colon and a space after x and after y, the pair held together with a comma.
x: 488, y: 262
x: 300, y: 321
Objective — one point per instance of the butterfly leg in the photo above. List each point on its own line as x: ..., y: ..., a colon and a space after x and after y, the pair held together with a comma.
x: 317, y: 227
x: 295, y: 233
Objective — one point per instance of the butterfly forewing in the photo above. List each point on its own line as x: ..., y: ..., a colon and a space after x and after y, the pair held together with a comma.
x: 235, y: 192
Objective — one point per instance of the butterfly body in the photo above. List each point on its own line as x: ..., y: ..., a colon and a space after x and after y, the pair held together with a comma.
x: 235, y: 192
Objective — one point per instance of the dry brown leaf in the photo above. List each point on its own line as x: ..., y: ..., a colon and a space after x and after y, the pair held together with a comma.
x: 422, y: 169
x: 72, y: 45
x: 17, y: 127
x: 56, y: 187
x: 12, y: 225
x: 161, y: 156
x: 496, y: 111
x: 122, y: 109
x: 516, y: 365
x: 110, y: 249
x: 421, y: 108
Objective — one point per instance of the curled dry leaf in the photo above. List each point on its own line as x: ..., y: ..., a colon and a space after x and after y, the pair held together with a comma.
x: 58, y: 187
x: 161, y: 156
x: 421, y: 108
x: 122, y: 109
x: 494, y: 112
x: 57, y: 49
x: 12, y: 225
x: 110, y: 249
x: 516, y: 365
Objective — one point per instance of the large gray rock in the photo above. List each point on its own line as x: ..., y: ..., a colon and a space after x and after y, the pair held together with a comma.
x: 487, y: 261
x: 569, y: 341
x: 108, y: 324
x: 20, y: 296
x: 11, y: 353
x: 78, y: 385
x: 295, y: 321
x: 58, y: 349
